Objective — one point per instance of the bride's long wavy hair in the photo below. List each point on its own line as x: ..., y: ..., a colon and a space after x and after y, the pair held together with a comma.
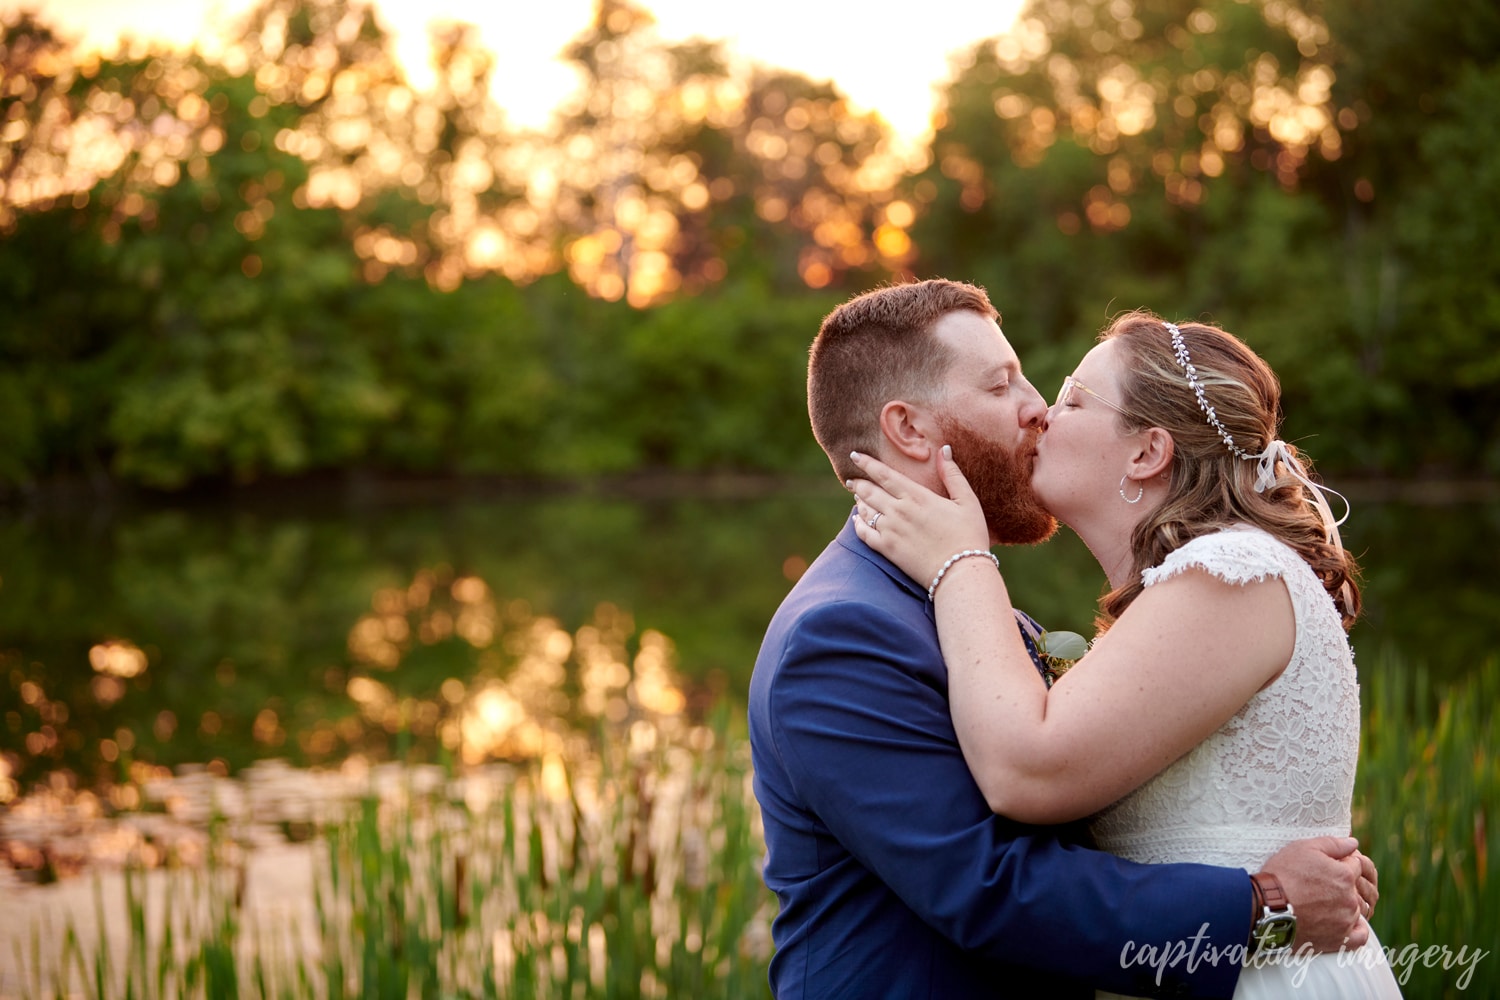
x: 1210, y: 488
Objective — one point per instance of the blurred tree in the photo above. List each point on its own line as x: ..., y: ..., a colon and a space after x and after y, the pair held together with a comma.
x: 821, y: 177
x: 1109, y: 124
x: 287, y: 259
x: 60, y: 129
x: 483, y: 221
x: 238, y: 213
x: 36, y: 70
x: 414, y: 172
x: 59, y: 341
x: 725, y: 373
x: 1214, y: 159
x: 677, y: 168
x: 469, y: 374
x: 609, y: 140
x: 244, y: 362
x: 1417, y: 85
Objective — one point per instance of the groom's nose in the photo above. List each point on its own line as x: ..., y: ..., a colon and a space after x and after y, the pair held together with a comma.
x: 1033, y: 411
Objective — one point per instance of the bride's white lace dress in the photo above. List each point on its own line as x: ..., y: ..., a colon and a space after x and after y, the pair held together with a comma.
x: 1280, y: 770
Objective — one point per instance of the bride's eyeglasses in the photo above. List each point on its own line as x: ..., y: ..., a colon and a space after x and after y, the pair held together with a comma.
x: 1066, y: 393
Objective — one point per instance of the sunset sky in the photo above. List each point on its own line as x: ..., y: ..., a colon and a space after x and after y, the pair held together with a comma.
x: 883, y: 56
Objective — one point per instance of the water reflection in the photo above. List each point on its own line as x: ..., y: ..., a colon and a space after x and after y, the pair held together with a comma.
x: 470, y: 633
x: 517, y: 687
x: 531, y: 679
x: 573, y: 799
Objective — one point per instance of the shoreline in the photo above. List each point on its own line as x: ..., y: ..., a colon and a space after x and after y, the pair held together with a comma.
x: 364, y: 490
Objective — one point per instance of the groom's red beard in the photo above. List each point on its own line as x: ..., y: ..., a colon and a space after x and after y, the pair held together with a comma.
x: 1001, y: 480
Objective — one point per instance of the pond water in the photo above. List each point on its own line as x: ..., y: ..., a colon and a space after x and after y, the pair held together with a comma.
x: 449, y: 626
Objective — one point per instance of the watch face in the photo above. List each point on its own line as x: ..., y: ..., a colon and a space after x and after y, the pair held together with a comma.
x: 1275, y: 932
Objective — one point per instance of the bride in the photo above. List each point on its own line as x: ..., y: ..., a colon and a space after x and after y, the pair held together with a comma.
x: 1215, y: 718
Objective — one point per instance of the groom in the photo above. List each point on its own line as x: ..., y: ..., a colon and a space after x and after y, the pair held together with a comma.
x: 894, y: 878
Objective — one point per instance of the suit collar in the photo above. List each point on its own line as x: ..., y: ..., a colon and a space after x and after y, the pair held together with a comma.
x: 849, y: 539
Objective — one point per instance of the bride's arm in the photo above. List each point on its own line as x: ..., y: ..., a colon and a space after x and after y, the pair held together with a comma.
x: 1186, y: 656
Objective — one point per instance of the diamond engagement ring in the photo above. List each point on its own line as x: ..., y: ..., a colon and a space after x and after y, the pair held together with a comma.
x: 873, y: 518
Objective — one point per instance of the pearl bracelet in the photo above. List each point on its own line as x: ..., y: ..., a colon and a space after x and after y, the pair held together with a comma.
x: 955, y: 558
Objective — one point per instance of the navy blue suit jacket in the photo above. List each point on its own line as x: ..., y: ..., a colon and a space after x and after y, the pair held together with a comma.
x: 894, y: 878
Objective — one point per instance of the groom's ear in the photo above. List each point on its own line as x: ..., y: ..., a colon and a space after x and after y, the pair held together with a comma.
x: 1154, y: 456
x: 909, y: 429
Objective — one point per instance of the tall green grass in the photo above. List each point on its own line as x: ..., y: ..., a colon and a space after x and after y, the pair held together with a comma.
x: 633, y: 871
x: 183, y: 945
x: 1425, y: 804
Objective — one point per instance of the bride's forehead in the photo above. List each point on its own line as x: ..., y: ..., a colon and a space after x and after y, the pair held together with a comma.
x: 1099, y: 361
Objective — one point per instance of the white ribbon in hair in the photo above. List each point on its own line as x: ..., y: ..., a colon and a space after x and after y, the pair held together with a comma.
x: 1265, y: 478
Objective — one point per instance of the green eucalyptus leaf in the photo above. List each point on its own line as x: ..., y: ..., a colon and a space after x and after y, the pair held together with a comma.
x: 1064, y: 645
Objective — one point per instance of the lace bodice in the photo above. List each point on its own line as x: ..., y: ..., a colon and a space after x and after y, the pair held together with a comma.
x: 1283, y: 767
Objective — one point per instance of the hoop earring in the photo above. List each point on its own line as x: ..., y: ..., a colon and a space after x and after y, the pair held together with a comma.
x: 1137, y: 496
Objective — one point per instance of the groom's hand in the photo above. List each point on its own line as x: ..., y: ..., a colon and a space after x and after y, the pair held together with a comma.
x: 1331, y: 887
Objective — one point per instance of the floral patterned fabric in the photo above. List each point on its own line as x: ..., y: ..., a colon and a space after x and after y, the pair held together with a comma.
x: 1283, y: 767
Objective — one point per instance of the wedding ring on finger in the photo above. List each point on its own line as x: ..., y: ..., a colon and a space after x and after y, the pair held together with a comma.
x: 873, y: 518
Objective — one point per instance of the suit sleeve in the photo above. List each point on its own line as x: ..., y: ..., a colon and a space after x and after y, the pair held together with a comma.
x: 861, y: 724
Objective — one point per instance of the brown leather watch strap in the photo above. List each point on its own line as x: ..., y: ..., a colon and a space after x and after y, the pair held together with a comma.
x: 1271, y: 893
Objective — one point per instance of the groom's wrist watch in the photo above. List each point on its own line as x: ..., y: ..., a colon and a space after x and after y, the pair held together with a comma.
x: 1276, y: 925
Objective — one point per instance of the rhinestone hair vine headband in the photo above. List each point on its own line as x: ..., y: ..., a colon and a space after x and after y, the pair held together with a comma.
x: 1276, y: 451
x: 1180, y: 352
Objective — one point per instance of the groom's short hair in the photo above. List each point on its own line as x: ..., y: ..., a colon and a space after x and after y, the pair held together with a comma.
x: 875, y: 348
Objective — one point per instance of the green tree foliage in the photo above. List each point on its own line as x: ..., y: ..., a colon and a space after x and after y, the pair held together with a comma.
x: 285, y: 260
x: 1421, y: 81
x: 1313, y: 176
x: 676, y: 171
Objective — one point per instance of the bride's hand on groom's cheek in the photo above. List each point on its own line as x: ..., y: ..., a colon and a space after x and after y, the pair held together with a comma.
x: 911, y: 525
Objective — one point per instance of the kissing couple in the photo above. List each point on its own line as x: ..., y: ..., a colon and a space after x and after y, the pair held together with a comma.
x: 1171, y: 817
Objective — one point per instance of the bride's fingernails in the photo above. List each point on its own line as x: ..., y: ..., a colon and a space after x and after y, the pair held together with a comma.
x: 856, y: 456
x: 849, y: 485
x: 948, y: 452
